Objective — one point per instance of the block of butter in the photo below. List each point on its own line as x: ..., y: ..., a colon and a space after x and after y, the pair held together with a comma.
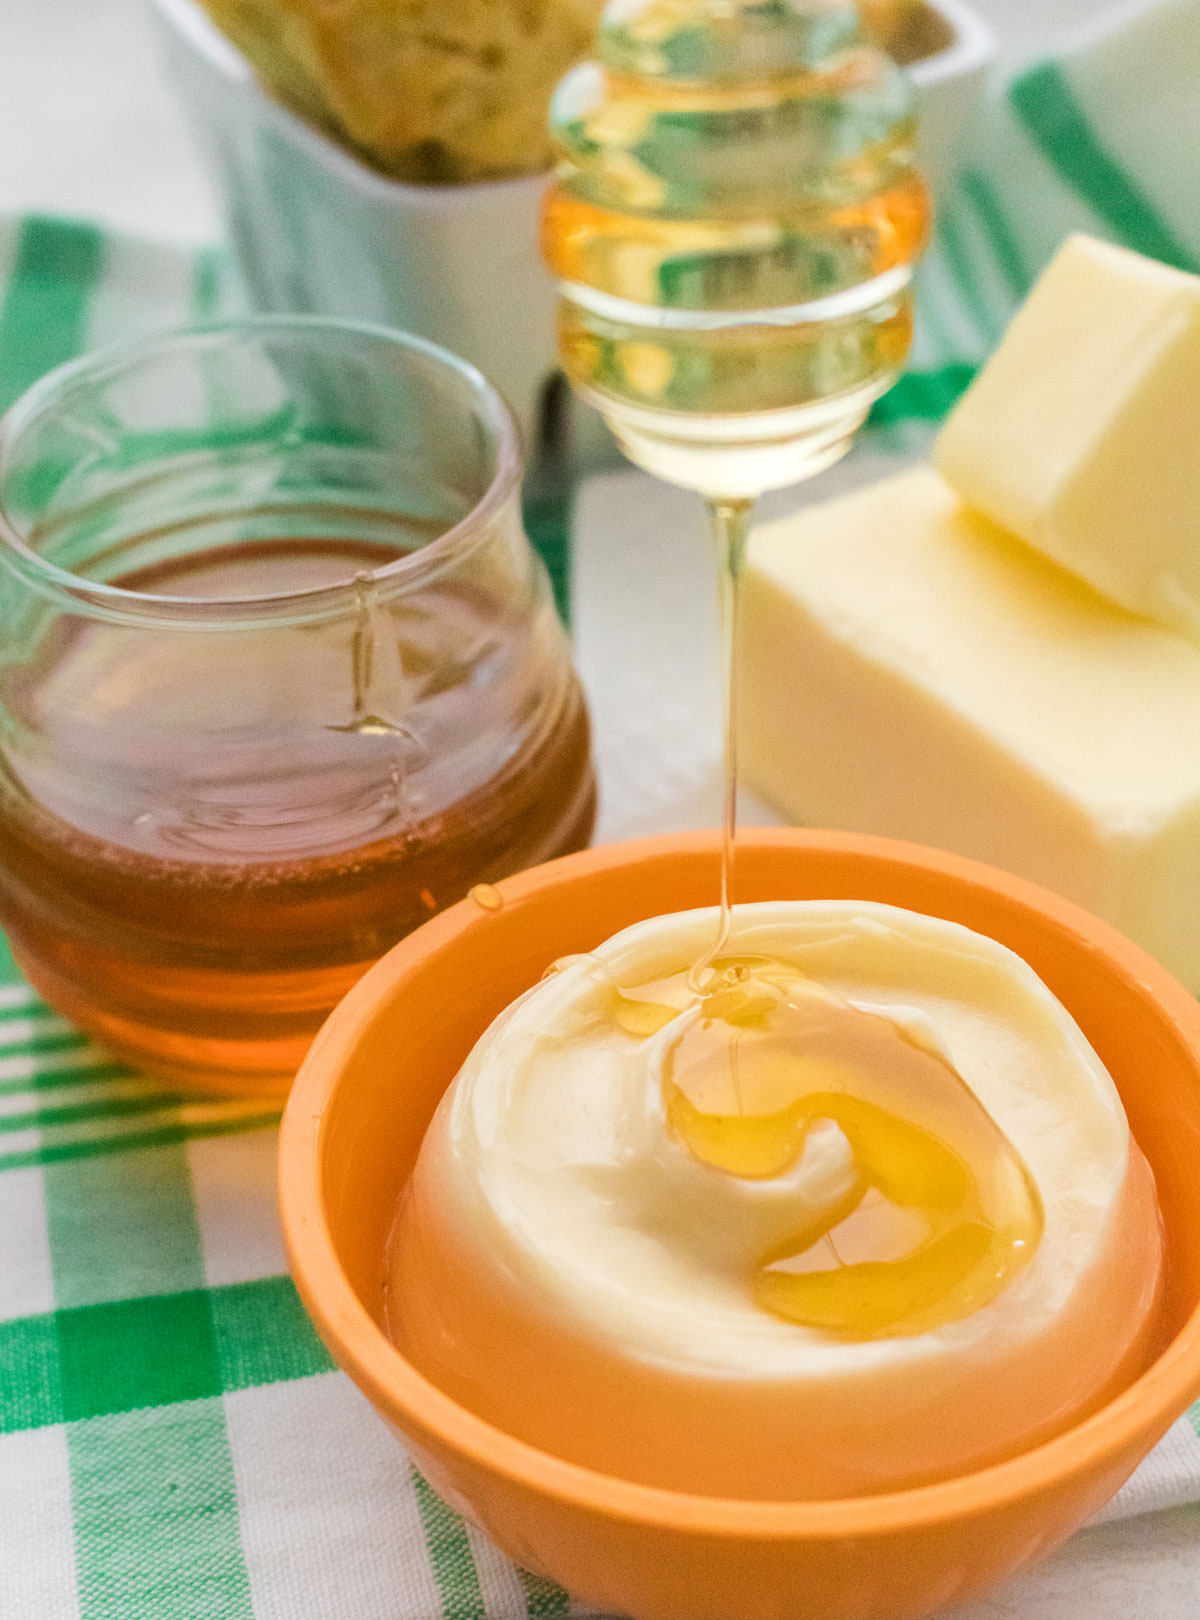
x: 912, y: 670
x: 1082, y: 433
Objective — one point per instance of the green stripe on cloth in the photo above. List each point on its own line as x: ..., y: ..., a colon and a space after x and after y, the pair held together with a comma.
x: 543, y: 1599
x: 1006, y: 249
x: 206, y: 284
x: 137, y: 1352
x: 90, y: 1066
x: 548, y: 525
x: 450, y: 1554
x: 30, y: 1388
x: 153, y: 1500
x: 105, y: 1358
x: 122, y: 1230
x: 56, y: 1040
x: 87, y: 1147
x: 263, y: 1335
x: 924, y: 396
x: 44, y: 313
x: 81, y: 1113
x: 20, y: 1002
x: 154, y: 1504
x: 954, y: 249
x: 1046, y: 106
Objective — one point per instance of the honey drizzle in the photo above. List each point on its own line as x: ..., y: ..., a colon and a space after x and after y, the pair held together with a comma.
x: 730, y: 522
x: 941, y: 1214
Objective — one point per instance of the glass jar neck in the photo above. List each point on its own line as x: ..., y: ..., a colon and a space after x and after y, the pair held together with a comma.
x: 277, y: 430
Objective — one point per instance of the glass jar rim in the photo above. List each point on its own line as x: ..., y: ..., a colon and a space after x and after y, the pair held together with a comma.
x: 116, y: 603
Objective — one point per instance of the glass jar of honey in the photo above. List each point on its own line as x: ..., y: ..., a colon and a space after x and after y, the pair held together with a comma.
x: 280, y: 677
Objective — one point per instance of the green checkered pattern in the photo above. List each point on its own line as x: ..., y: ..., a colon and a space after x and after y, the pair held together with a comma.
x: 174, y: 1442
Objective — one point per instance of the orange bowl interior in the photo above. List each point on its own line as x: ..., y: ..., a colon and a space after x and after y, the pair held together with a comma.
x: 369, y: 1087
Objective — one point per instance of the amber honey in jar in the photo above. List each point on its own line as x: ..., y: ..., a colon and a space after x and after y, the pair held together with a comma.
x: 280, y: 677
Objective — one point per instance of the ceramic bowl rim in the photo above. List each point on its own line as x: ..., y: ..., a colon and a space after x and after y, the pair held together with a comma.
x: 421, y: 1409
x: 971, y: 49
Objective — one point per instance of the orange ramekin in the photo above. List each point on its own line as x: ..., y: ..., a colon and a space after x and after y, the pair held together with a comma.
x: 369, y: 1086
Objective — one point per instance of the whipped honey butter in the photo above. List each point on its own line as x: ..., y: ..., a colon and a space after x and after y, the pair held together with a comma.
x: 862, y: 1214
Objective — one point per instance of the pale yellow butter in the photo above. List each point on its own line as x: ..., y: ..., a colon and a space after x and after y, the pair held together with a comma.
x: 911, y: 670
x: 1082, y: 433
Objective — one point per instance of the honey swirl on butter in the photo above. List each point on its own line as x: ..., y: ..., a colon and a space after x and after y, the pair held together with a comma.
x: 942, y: 1213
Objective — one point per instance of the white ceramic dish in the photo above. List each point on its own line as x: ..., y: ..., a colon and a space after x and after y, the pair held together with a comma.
x: 315, y: 230
x: 949, y: 91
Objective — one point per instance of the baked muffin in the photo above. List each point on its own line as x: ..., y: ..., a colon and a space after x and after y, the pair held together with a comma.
x: 910, y: 30
x: 439, y: 91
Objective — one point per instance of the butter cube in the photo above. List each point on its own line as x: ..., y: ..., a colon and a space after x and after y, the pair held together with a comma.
x: 1082, y: 433
x: 911, y: 670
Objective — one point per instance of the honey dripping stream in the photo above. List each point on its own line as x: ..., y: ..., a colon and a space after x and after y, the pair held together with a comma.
x: 378, y: 688
x: 377, y: 672
x: 730, y: 522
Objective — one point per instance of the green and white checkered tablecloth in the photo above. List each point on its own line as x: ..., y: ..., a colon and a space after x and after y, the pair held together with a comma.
x: 174, y: 1442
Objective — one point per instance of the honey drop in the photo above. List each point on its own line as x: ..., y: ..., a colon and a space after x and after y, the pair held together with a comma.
x: 638, y: 1017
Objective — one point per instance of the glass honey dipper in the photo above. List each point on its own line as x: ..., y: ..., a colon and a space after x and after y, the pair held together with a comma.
x: 733, y: 227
